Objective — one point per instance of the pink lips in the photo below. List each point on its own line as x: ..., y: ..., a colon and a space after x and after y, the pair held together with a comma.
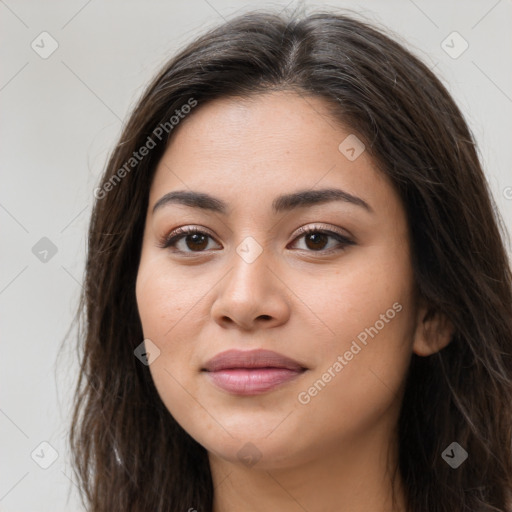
x: 251, y: 372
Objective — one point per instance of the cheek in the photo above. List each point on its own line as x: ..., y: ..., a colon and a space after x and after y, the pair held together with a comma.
x: 164, y: 298
x: 361, y: 293
x: 369, y: 318
x: 358, y: 385
x: 163, y: 301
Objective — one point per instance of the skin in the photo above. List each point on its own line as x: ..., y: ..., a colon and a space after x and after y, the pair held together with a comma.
x: 307, y: 304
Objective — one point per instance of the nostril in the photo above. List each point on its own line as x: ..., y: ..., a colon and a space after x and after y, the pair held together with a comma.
x: 265, y: 317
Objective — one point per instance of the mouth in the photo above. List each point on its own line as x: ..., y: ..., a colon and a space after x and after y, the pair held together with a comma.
x: 251, y: 372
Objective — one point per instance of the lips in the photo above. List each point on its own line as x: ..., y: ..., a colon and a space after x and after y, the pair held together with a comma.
x: 251, y: 372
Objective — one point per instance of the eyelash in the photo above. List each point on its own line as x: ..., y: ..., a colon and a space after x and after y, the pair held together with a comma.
x: 175, y: 236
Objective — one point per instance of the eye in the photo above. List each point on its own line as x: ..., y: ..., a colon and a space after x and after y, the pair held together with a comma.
x: 317, y: 239
x: 194, y: 240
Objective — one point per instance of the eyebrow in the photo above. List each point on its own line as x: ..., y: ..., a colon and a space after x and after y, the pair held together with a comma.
x: 283, y: 203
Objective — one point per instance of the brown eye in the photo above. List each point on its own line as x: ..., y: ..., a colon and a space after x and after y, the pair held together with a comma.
x: 317, y: 240
x: 196, y: 241
x: 190, y: 239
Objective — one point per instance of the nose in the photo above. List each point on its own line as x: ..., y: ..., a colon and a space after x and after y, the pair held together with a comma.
x: 251, y: 296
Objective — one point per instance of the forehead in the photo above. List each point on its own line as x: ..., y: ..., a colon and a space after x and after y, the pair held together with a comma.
x: 248, y: 149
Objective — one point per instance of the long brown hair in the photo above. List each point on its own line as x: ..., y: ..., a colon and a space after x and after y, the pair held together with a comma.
x: 129, y: 453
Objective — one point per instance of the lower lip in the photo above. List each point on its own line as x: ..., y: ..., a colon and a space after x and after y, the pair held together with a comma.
x: 242, y: 381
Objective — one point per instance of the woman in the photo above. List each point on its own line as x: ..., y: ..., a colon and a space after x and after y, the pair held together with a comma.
x: 297, y: 295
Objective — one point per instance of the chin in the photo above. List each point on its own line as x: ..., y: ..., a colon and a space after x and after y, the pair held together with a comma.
x: 264, y: 454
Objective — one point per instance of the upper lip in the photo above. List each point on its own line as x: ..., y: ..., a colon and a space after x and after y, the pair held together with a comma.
x: 231, y: 359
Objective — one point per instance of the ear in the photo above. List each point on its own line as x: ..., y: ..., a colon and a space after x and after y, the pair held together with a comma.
x: 433, y: 331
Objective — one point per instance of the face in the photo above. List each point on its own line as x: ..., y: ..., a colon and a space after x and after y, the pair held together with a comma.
x: 335, y: 303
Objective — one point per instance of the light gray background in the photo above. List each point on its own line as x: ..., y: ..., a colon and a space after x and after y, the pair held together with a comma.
x: 60, y: 117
